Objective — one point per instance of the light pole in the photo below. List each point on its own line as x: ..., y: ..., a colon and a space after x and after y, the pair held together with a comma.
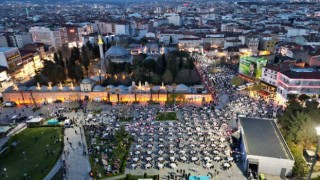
x: 5, y: 172
x: 24, y: 154
x: 99, y: 71
x: 316, y: 154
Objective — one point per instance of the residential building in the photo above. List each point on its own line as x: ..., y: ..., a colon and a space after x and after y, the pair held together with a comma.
x: 298, y: 81
x: 51, y: 37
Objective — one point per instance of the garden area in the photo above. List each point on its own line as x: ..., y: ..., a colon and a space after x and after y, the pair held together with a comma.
x: 175, y: 67
x: 297, y: 125
x: 166, y: 116
x: 136, y: 177
x: 32, y: 153
x: 107, y: 152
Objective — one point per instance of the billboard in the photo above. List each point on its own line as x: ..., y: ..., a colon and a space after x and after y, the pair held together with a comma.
x: 252, y: 66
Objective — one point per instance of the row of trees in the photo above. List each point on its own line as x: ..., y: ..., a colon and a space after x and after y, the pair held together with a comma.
x: 176, y: 67
x: 73, y: 67
x: 298, y: 128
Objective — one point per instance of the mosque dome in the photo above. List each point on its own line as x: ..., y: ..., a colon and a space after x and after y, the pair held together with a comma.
x: 117, y: 51
x: 118, y: 54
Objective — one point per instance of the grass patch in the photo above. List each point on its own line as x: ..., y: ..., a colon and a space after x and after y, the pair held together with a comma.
x: 96, y: 112
x: 136, y: 177
x: 165, y: 116
x: 59, y: 175
x: 36, y: 163
x: 116, y: 158
x: 153, y: 102
x: 125, y: 119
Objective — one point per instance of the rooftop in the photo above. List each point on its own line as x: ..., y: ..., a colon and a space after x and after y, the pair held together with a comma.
x: 263, y: 138
x: 302, y: 75
x: 5, y: 49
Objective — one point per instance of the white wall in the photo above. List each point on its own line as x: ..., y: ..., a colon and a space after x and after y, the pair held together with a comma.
x: 273, y: 166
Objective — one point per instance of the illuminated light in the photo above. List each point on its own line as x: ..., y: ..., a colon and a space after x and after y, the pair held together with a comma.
x: 71, y: 30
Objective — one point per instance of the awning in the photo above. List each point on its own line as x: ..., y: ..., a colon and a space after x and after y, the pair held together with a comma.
x: 263, y: 93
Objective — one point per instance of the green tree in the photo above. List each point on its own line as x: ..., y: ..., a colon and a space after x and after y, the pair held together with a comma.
x: 167, y: 77
x: 237, y: 81
x: 85, y: 59
x: 303, y: 97
x: 156, y: 79
x: 160, y: 66
x: 311, y: 105
x: 60, y: 57
x: 55, y: 58
x: 78, y: 73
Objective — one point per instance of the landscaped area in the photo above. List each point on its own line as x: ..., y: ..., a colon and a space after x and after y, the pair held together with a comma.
x: 166, y: 116
x: 33, y: 153
x: 108, y: 153
x: 298, y: 128
x: 136, y: 177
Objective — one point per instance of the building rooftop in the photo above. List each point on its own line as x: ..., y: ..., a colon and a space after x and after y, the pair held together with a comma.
x: 5, y: 49
x: 281, y: 67
x: 302, y: 75
x: 263, y: 138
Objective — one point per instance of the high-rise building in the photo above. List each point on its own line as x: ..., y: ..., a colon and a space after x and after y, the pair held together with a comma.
x: 52, y: 37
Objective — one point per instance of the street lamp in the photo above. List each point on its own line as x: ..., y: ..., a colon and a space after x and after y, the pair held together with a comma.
x: 24, y: 154
x: 99, y: 71
x: 316, y: 154
x: 5, y: 172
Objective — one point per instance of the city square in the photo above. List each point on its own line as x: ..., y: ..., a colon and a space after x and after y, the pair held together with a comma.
x: 150, y: 90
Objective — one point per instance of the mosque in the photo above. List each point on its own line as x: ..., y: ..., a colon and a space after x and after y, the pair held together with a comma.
x: 94, y: 91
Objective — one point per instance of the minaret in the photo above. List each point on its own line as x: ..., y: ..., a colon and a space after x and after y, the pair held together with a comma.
x: 100, y: 43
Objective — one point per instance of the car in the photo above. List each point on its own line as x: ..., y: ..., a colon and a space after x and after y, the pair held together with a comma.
x: 9, y: 104
x: 62, y: 118
x: 14, y: 117
x: 57, y: 101
x: 20, y: 119
x: 30, y: 117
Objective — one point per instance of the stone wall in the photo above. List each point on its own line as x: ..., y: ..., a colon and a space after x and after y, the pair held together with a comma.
x: 25, y: 97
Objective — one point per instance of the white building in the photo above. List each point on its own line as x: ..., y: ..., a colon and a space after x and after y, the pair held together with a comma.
x: 297, y: 32
x: 263, y: 148
x: 191, y: 44
x: 48, y: 36
x: 298, y: 81
x: 174, y: 19
x: 113, y: 28
x: 10, y: 57
x: 20, y: 39
x: 270, y: 72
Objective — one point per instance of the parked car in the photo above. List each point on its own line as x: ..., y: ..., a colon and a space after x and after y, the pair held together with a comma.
x: 57, y: 101
x: 9, y: 104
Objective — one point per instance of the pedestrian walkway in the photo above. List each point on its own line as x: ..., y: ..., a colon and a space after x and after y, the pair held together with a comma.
x: 77, y: 164
x: 55, y: 169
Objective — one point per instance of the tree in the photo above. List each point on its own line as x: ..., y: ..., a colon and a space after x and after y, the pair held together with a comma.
x: 108, y: 90
x: 291, y: 97
x: 160, y: 64
x: 303, y: 97
x: 54, y: 72
x: 60, y: 58
x: 134, y: 90
x: 311, y: 105
x: 156, y: 79
x: 85, y: 59
x: 75, y: 54
x: 137, y: 75
x: 78, y: 73
x: 174, y: 86
x: 55, y: 58
x: 151, y: 86
x: 117, y: 91
x: 167, y: 77
x: 190, y: 64
x: 237, y: 81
